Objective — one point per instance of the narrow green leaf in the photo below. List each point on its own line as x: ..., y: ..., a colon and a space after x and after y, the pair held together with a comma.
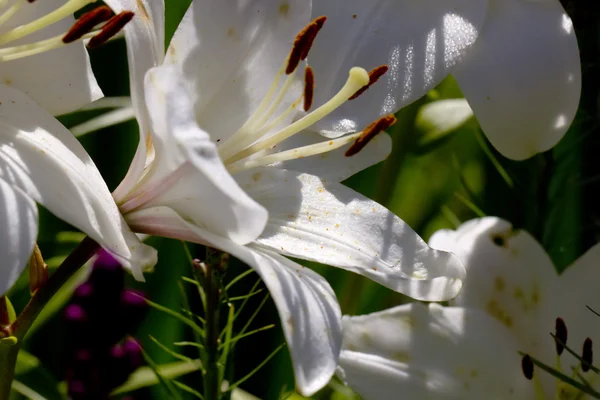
x: 192, y: 344
x: 228, y: 343
x: 261, y: 305
x: 238, y: 337
x: 26, y: 391
x: 26, y: 362
x: 246, y: 300
x: 238, y: 278
x: 255, y: 370
x: 236, y: 298
x: 176, y: 315
x: 166, y: 384
x: 169, y: 351
x: 573, y: 353
x: 188, y: 389
x: 145, y: 376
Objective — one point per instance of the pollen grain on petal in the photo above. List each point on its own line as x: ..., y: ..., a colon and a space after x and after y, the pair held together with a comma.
x: 370, y: 132
x: 87, y: 22
x: 303, y: 43
x: 374, y: 76
x: 111, y: 28
x: 309, y: 87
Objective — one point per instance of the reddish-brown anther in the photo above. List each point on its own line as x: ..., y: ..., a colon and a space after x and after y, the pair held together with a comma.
x: 309, y: 87
x: 111, y: 28
x: 369, y: 133
x: 86, y: 23
x: 303, y: 43
x: 374, y: 76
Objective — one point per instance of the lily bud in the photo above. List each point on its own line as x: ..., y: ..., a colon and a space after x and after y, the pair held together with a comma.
x: 38, y: 270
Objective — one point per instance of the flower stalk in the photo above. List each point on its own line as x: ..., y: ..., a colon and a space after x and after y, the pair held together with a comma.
x: 17, y: 330
x: 210, y: 276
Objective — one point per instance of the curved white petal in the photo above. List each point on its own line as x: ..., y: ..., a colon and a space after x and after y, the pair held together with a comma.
x: 420, y: 41
x: 509, y: 275
x: 523, y: 78
x: 43, y: 159
x: 60, y: 80
x: 309, y: 312
x: 230, y: 52
x: 331, y: 224
x: 334, y: 166
x: 204, y: 193
x: 436, y: 352
x: 18, y: 231
x: 145, y: 36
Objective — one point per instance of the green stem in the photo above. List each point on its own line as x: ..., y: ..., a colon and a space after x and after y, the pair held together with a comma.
x: 211, y: 378
x: 8, y: 361
x: 8, y: 353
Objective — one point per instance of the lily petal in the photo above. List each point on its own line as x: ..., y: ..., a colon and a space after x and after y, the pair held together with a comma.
x: 510, y: 276
x: 334, y: 166
x: 145, y: 36
x: 18, y: 230
x: 331, y: 224
x: 182, y: 146
x: 523, y: 78
x: 230, y: 52
x: 431, y: 352
x: 420, y: 42
x: 59, y: 80
x: 309, y: 312
x: 43, y: 159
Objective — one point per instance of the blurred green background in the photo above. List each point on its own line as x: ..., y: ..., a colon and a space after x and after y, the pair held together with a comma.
x: 432, y: 180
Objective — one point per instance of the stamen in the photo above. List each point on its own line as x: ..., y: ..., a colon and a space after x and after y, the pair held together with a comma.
x: 303, y: 43
x: 560, y: 336
x: 587, y: 355
x: 29, y: 49
x: 112, y: 27
x: 62, y: 12
x: 370, y: 132
x: 527, y: 366
x: 309, y: 87
x: 86, y: 23
x: 300, y: 152
x: 357, y: 78
x: 6, y: 15
x: 374, y: 76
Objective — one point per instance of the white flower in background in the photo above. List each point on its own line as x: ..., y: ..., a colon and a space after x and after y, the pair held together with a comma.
x: 40, y: 161
x: 510, y: 302
x: 522, y: 77
x: 223, y: 114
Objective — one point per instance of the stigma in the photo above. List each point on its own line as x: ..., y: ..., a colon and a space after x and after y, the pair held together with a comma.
x: 251, y: 146
x: 97, y: 25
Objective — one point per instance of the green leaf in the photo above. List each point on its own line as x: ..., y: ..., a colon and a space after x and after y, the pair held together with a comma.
x: 145, y: 376
x: 176, y: 315
x: 26, y: 362
x: 171, y: 352
x: 26, y: 391
x: 439, y: 118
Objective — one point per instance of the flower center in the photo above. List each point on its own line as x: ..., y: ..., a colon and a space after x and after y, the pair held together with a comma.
x: 86, y: 27
x: 249, y: 146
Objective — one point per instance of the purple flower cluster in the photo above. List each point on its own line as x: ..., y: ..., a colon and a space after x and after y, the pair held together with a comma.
x: 101, y: 313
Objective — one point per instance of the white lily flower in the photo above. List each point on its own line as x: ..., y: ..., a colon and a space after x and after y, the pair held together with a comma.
x: 218, y: 118
x: 522, y: 76
x: 511, y: 301
x: 40, y: 161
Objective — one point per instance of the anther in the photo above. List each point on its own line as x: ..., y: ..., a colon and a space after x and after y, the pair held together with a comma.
x: 309, y: 87
x: 374, y: 76
x: 303, y: 43
x: 527, y: 366
x: 587, y: 356
x: 369, y: 133
x: 112, y: 27
x: 560, y: 337
x: 86, y: 23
